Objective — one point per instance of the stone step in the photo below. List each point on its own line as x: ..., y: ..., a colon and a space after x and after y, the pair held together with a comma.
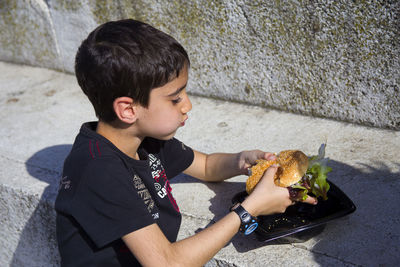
x: 42, y: 110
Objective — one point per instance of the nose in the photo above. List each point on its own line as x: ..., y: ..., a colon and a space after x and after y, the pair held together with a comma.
x: 187, y: 105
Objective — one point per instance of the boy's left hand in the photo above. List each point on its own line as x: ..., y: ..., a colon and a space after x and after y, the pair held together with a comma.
x: 247, y: 159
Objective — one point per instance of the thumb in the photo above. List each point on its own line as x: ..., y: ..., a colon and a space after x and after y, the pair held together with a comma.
x: 270, y: 173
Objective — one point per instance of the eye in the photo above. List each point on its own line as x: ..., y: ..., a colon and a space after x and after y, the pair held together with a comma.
x: 176, y: 100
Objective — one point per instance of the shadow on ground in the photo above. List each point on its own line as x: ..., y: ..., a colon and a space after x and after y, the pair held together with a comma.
x: 370, y: 236
x: 46, y: 166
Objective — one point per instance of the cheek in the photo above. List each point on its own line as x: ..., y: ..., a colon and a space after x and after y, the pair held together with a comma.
x: 165, y: 119
x: 164, y: 116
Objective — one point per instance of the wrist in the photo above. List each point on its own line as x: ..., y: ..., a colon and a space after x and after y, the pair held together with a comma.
x: 248, y: 223
x: 248, y: 205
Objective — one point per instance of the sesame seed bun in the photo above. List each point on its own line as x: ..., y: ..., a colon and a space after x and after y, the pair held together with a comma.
x: 292, y: 165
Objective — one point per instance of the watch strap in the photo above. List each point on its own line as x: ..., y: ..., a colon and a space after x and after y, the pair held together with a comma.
x: 248, y: 223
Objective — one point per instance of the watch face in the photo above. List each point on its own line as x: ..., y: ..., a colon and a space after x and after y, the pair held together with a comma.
x: 253, y: 226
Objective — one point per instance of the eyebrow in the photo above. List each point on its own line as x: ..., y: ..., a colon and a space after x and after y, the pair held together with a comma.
x: 178, y: 90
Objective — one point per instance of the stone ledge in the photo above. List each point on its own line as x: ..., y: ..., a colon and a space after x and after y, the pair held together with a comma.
x: 27, y: 230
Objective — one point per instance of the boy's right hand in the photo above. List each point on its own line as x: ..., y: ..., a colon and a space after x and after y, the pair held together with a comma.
x: 267, y: 198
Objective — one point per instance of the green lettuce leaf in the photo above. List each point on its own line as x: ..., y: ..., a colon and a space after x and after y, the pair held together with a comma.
x: 303, y: 195
x: 317, y: 173
x: 298, y: 192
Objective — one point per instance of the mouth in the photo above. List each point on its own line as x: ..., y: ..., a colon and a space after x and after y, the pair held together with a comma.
x: 183, y: 123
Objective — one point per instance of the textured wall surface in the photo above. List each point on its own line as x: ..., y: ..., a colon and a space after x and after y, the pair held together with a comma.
x: 335, y: 59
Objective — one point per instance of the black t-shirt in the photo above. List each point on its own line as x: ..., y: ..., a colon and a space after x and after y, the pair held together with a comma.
x: 104, y: 195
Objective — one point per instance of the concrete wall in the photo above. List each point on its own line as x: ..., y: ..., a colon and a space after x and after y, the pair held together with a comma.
x: 334, y: 59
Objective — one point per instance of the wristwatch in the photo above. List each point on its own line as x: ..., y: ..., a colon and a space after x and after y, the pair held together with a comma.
x: 248, y: 223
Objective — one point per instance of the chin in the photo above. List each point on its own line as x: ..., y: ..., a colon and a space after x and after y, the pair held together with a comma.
x: 165, y: 137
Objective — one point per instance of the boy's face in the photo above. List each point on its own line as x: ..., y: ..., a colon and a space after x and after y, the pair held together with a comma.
x: 167, y: 110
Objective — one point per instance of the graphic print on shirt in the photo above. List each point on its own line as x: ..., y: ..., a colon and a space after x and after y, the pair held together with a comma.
x: 161, y: 183
x: 65, y: 183
x: 145, y: 195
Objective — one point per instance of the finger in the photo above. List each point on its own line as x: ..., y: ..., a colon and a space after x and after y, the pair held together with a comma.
x: 258, y: 154
x: 311, y: 200
x: 268, y: 176
x: 250, y: 157
x: 271, y: 170
x: 269, y: 156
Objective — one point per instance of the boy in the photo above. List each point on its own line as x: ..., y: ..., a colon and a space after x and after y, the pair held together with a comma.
x: 115, y: 206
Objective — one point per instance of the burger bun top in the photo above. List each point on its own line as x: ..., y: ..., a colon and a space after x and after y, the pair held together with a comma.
x: 293, y: 164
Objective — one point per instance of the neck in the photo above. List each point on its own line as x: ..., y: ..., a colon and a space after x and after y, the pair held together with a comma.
x: 121, y: 136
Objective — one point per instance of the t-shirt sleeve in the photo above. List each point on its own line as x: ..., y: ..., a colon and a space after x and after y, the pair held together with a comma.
x: 107, y: 204
x: 176, y: 157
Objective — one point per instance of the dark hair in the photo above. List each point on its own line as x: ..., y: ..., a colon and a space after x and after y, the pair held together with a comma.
x: 126, y: 58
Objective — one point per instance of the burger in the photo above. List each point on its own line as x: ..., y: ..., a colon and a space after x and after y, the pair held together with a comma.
x: 302, y: 175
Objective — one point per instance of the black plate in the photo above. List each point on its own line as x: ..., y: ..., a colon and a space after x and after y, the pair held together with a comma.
x: 302, y: 221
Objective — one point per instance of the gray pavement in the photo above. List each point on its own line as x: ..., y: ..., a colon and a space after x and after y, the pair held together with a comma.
x: 42, y: 110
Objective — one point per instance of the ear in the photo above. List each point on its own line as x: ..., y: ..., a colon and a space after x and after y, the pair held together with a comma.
x: 125, y: 109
